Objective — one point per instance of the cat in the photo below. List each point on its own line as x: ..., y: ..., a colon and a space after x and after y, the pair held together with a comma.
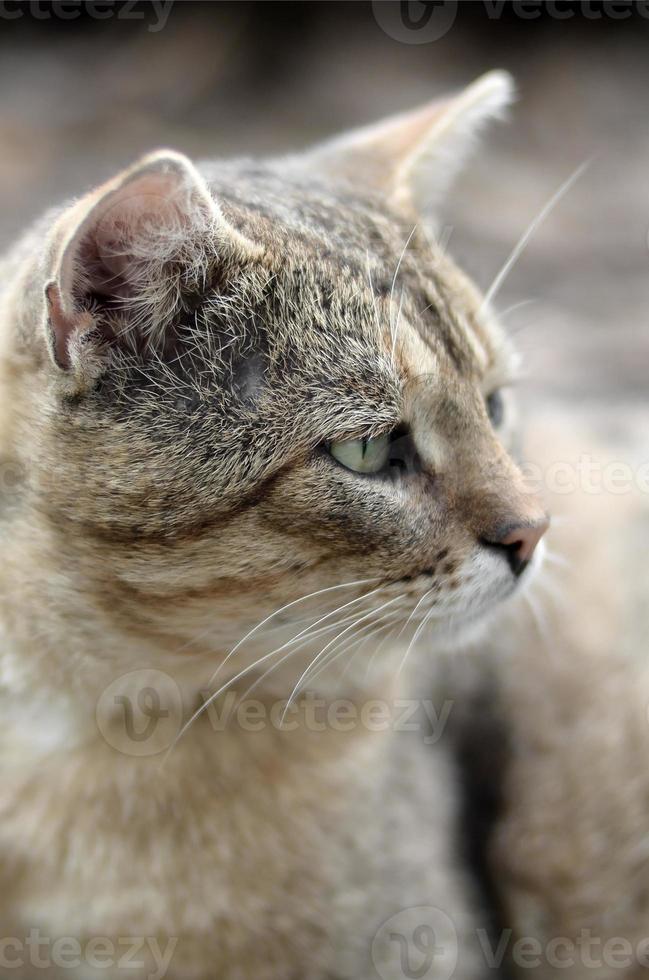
x: 256, y: 437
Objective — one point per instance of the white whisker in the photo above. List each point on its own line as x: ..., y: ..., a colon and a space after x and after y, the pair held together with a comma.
x: 324, y: 650
x: 556, y: 559
x: 378, y: 649
x: 414, y: 611
x: 396, y: 329
x: 414, y: 639
x: 525, y: 237
x: 359, y: 641
x: 539, y: 619
x: 515, y: 306
x: 394, y: 279
x: 289, y: 605
x: 306, y: 639
x: 373, y: 294
x: 246, y: 670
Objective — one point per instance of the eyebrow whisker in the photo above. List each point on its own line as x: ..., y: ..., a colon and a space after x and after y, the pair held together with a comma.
x: 527, y: 234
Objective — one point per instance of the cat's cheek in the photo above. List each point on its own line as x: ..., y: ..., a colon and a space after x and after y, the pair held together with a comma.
x: 358, y: 518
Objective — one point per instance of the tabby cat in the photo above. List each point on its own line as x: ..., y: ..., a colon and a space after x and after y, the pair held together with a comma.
x: 257, y: 488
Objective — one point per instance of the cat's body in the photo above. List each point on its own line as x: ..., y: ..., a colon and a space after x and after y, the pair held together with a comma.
x: 253, y: 866
x: 249, y: 853
x: 177, y: 378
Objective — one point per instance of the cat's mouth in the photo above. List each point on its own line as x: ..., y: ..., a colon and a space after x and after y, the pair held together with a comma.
x: 457, y: 594
x: 519, y: 558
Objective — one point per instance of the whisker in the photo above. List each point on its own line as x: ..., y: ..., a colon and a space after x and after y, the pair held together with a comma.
x: 373, y: 657
x: 414, y: 611
x: 525, y: 237
x: 308, y: 638
x: 315, y: 660
x: 396, y: 328
x: 539, y: 620
x: 289, y: 605
x: 387, y: 623
x: 556, y: 559
x: 373, y: 294
x: 246, y: 670
x: 429, y: 615
x: 376, y: 651
x: 515, y: 306
x: 394, y: 279
x: 348, y: 643
x: 329, y: 649
x: 360, y: 641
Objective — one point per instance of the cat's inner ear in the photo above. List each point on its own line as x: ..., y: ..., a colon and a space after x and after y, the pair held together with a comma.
x: 414, y: 157
x: 128, y: 252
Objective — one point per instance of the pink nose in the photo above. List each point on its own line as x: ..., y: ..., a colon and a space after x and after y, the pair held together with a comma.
x: 519, y: 543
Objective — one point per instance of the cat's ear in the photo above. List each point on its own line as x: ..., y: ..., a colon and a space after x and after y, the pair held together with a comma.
x: 414, y: 157
x: 127, y: 253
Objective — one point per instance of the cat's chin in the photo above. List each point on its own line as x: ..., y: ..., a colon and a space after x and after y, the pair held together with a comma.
x: 461, y: 630
x: 462, y: 634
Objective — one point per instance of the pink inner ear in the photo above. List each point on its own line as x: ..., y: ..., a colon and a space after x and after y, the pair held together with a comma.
x: 128, y: 234
x: 125, y: 247
x: 135, y: 223
x: 131, y: 226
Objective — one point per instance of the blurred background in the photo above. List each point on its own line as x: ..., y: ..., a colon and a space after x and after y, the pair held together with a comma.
x: 82, y: 96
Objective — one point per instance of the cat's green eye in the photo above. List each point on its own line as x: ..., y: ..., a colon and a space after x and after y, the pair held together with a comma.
x: 495, y: 408
x: 362, y: 455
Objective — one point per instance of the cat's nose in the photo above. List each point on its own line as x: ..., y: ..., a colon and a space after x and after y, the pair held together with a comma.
x: 519, y: 543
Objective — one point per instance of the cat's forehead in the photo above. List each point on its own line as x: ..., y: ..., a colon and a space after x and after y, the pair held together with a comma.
x: 331, y: 248
x: 293, y: 215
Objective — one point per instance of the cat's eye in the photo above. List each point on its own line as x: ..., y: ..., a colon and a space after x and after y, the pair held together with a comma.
x: 495, y: 408
x: 362, y: 455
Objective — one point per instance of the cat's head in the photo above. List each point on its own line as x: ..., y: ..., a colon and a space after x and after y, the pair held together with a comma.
x: 246, y: 382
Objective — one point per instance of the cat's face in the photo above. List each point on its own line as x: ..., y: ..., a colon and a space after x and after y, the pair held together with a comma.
x: 292, y: 392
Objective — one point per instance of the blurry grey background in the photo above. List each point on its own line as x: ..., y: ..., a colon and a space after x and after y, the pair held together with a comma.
x: 81, y: 97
